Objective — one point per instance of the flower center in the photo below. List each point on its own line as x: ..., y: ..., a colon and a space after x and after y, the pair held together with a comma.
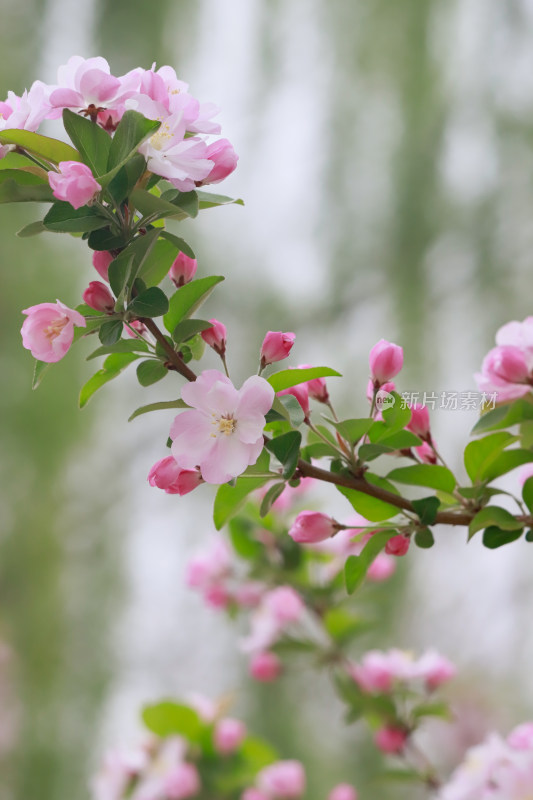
x: 160, y: 137
x: 226, y: 425
x: 55, y: 328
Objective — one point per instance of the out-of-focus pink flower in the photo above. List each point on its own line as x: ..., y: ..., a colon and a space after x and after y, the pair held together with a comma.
x: 25, y: 112
x: 390, y: 739
x: 521, y: 737
x: 265, y: 666
x: 222, y: 433
x: 278, y: 609
x: 206, y: 708
x: 284, y: 603
x: 316, y: 387
x: 118, y: 768
x: 217, y: 595
x: 98, y: 296
x: 137, y: 325
x: 378, y: 671
x: 182, y: 270
x: 301, y: 393
x: 166, y: 475
x: 310, y: 527
x: 344, y: 791
x: 224, y: 158
x: 525, y: 473
x: 283, y: 780
x: 182, y: 782
x: 419, y: 422
x: 398, y: 545
x: 101, y: 261
x: 276, y: 346
x: 74, y: 183
x: 209, y: 566
x: 434, y: 669
x: 253, y: 794
x: 249, y: 594
x: 228, y: 735
x: 48, y: 330
x: 215, y: 336
x: 385, y: 388
x: 426, y: 453
x: 386, y: 361
x: 382, y: 567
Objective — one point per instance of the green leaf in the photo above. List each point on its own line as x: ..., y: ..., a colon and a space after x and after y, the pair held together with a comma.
x: 181, y: 244
x: 188, y: 328
x: 529, y: 535
x: 158, y: 261
x: 113, y: 366
x: 153, y: 302
x: 424, y: 538
x: 286, y: 448
x: 494, y: 537
x: 162, y: 406
x: 257, y: 753
x: 126, y: 178
x: 149, y: 205
x: 128, y: 265
x: 493, y: 516
x: 229, y: 499
x: 395, y: 418
x: 208, y: 200
x: 63, y: 218
x: 106, y: 239
x: 432, y: 710
x: 188, y: 299
x: 150, y: 371
x: 427, y: 509
x: 185, y: 201
x: 110, y: 332
x: 505, y: 462
x: 400, y: 440
x: 353, y: 429
x: 527, y: 493
x: 91, y: 141
x: 14, y: 192
x: 480, y: 454
x: 270, y: 498
x: 122, y: 346
x: 24, y: 177
x: 505, y: 416
x: 292, y: 377
x: 131, y: 131
x: 432, y: 475
x: 39, y: 369
x: 169, y: 719
x: 32, y: 229
x: 356, y: 567
x: 50, y: 149
x: 371, y: 508
x: 342, y: 625
x: 242, y: 538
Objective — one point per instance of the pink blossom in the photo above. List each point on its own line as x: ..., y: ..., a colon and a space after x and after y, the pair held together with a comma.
x: 398, y: 545
x: 209, y: 566
x: 283, y: 779
x: 74, y: 183
x: 284, y: 603
x: 87, y: 84
x: 137, y: 325
x: 419, y: 422
x: 98, y: 296
x: 276, y: 346
x: 385, y: 388
x: 278, y: 609
x: 101, y: 261
x: 507, y: 369
x: 117, y: 770
x: 379, y: 671
x: 182, y: 270
x: 390, y: 739
x: 426, y: 453
x: 224, y: 158
x: 301, y: 393
x: 525, y: 473
x: 217, y: 595
x: 265, y: 666
x: 521, y: 737
x: 25, y: 112
x: 434, y: 669
x: 253, y: 794
x: 48, y: 330
x: 386, y: 361
x: 316, y: 387
x: 381, y: 568
x: 228, y: 735
x: 517, y: 334
x: 344, y: 791
x: 206, y: 708
x: 310, y: 527
x: 215, y: 336
x: 182, y: 781
x: 222, y: 433
x: 249, y: 594
x: 166, y: 475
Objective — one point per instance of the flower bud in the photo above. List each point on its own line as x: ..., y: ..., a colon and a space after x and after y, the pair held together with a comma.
x: 426, y: 453
x: 507, y: 364
x: 435, y: 669
x: 182, y: 782
x: 228, y: 735
x: 284, y: 603
x: 390, y: 739
x: 137, y: 325
x: 224, y: 158
x: 166, y: 475
x: 419, y: 422
x: 317, y: 387
x: 310, y: 527
x: 398, y: 545
x: 101, y: 261
x: 382, y: 567
x: 253, y: 794
x: 301, y: 393
x: 74, y: 183
x: 276, y: 346
x: 386, y: 360
x: 98, y: 296
x: 265, y: 667
x: 344, y: 791
x: 283, y: 779
x: 215, y: 336
x: 182, y: 270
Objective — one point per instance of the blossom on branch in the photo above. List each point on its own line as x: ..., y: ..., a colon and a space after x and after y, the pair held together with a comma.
x: 74, y: 183
x: 48, y: 330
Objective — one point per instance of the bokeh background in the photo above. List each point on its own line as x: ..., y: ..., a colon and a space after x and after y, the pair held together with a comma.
x: 386, y: 165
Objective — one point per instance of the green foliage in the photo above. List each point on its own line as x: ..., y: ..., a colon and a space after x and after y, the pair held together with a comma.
x: 151, y: 303
x: 424, y: 538
x: 494, y: 537
x: 26, y: 176
x: 188, y: 328
x: 493, y: 516
x: 480, y: 454
x: 505, y: 416
x: 286, y: 448
x: 91, y: 141
x: 14, y: 192
x: 32, y: 229
x: 172, y: 719
x: 432, y: 475
x: 243, y: 542
x: 270, y: 498
x: 120, y: 187
x: 427, y: 509
x: 353, y: 429
x: 128, y: 265
x: 356, y: 567
x: 50, y: 149
x: 39, y: 369
x: 161, y: 406
x: 371, y: 508
x: 151, y: 371
x: 527, y: 493
x: 208, y: 200
x: 131, y: 131
x: 229, y: 499
x: 292, y: 377
x: 63, y: 218
x: 188, y: 299
x: 110, y: 332
x: 179, y: 243
x: 113, y: 366
x: 122, y: 346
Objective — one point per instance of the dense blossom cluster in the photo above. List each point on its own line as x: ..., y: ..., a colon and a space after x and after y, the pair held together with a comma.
x: 507, y: 369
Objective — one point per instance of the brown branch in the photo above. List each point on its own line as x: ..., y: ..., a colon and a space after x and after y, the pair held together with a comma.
x: 177, y: 362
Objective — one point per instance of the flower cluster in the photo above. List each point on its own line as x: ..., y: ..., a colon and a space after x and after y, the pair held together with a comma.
x: 507, y: 369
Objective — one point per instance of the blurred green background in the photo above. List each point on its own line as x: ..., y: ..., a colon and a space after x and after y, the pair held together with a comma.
x: 386, y: 165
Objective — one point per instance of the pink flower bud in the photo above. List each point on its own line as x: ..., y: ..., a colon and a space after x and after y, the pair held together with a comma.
x: 228, y: 735
x: 48, y: 330
x: 74, y: 183
x: 182, y: 270
x: 521, y: 737
x: 265, y: 667
x: 276, y: 346
x: 387, y: 388
x: 98, y: 296
x: 386, y: 360
x: 398, y: 545
x: 284, y: 604
x: 253, y: 794
x: 182, y: 782
x: 137, y: 325
x: 507, y: 364
x: 310, y: 527
x: 382, y: 567
x: 301, y: 393
x: 426, y: 453
x: 166, y: 475
x: 434, y: 669
x: 217, y: 595
x: 317, y: 387
x: 224, y: 158
x: 283, y: 779
x: 419, y: 422
x: 249, y: 594
x: 344, y: 791
x: 390, y: 739
x: 101, y: 261
x: 215, y: 336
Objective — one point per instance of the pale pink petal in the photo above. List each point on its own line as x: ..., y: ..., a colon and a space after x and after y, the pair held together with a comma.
x: 195, y: 392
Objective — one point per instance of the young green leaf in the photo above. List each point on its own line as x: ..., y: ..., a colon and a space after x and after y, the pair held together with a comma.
x: 188, y: 299
x: 229, y: 499
x: 150, y: 371
x: 270, y: 498
x: 50, y: 149
x: 181, y: 244
x: 33, y: 229
x: 122, y: 346
x: 91, y: 141
x: 494, y: 537
x: 527, y: 493
x: 286, y: 448
x: 493, y: 516
x: 187, y: 202
x: 153, y: 302
x: 131, y: 131
x: 39, y: 369
x: 432, y: 475
x: 63, y: 218
x: 292, y: 377
x: 162, y: 406
x: 427, y: 509
x: 113, y: 366
x: 356, y: 567
x: 505, y: 416
x: 353, y: 429
x: 208, y: 200
x: 172, y: 719
x: 424, y: 538
x: 188, y: 328
x: 13, y: 192
x: 371, y: 508
x: 110, y: 332
x: 480, y: 453
x: 126, y: 178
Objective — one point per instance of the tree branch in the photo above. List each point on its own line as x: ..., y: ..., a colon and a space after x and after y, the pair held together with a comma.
x: 177, y: 362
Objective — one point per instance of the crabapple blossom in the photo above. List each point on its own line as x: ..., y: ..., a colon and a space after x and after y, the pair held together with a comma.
x: 283, y: 779
x: 182, y: 782
x: 316, y: 387
x: 228, y: 735
x: 253, y: 794
x: 276, y: 346
x: 210, y: 566
x: 215, y: 336
x: 98, y: 296
x: 87, y: 85
x: 74, y: 183
x: 101, y: 261
x: 224, y: 158
x: 390, y: 739
x: 397, y: 545
x: 419, y: 422
x: 381, y: 569
x: 25, y: 112
x: 183, y: 270
x: 166, y: 475
x: 310, y: 527
x: 222, y: 433
x: 344, y: 791
x: 521, y: 738
x: 277, y: 610
x: 301, y: 393
x: 426, y: 453
x: 48, y: 330
x: 386, y: 361
x: 378, y: 671
x: 137, y: 325
x: 265, y: 666
x: 434, y: 669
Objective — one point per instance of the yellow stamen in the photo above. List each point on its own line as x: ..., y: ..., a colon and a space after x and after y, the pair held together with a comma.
x: 55, y: 328
x: 226, y: 425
